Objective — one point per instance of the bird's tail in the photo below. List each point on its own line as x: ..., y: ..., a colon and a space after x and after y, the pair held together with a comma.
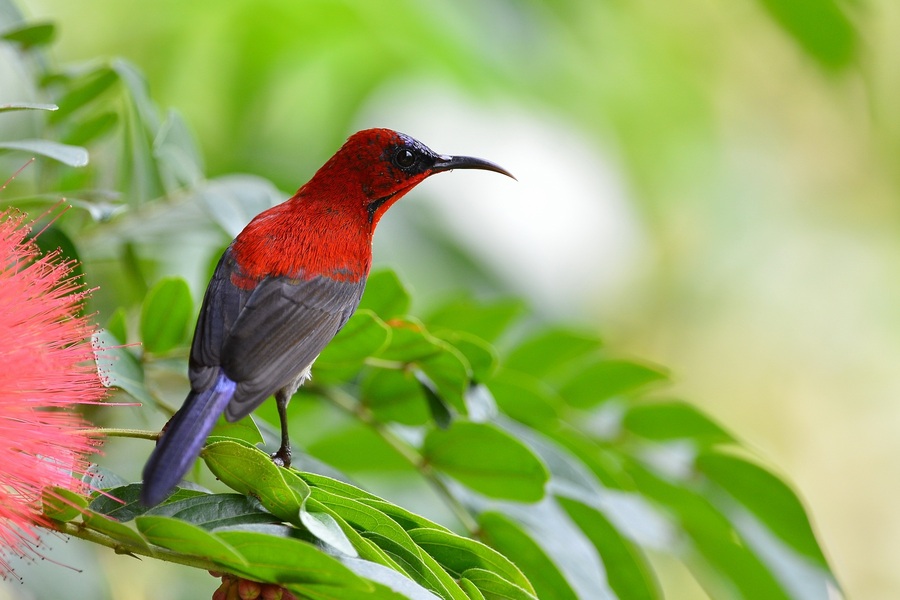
x: 182, y: 439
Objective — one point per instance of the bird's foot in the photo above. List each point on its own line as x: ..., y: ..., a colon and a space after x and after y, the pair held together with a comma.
x: 282, y: 458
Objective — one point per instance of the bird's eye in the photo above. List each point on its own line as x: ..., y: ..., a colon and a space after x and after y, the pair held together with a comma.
x: 404, y: 158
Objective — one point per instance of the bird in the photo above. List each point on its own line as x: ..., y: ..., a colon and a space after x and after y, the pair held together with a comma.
x: 283, y: 288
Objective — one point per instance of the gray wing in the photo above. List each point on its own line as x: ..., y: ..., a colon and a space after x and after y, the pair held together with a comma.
x: 263, y: 338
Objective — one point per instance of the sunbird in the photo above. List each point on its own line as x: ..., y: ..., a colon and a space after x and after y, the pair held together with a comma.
x: 284, y: 288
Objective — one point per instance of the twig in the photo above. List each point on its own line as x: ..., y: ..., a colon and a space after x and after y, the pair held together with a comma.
x: 140, y: 434
x: 80, y: 531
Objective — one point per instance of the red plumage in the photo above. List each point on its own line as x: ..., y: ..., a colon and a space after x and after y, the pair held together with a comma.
x: 284, y: 288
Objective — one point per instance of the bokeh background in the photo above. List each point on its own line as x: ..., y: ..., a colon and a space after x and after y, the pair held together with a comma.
x: 713, y: 187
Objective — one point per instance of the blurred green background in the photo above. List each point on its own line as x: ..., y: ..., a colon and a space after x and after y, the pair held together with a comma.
x: 713, y: 186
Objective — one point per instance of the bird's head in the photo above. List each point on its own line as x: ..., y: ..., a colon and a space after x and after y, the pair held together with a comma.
x: 378, y: 166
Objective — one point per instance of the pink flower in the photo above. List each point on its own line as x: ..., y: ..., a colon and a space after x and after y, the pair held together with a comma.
x: 46, y: 370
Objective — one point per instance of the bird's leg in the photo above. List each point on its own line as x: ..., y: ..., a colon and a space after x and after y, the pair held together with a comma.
x: 282, y: 458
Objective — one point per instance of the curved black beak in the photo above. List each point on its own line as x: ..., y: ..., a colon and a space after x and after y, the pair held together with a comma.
x: 447, y: 163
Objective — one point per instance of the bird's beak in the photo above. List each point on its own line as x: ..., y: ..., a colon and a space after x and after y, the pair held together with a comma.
x: 447, y: 163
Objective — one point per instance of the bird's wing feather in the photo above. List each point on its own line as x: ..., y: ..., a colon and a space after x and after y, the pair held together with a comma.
x: 221, y: 307
x: 263, y: 338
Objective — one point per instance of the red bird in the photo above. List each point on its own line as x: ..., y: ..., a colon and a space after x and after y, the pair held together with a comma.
x: 283, y: 289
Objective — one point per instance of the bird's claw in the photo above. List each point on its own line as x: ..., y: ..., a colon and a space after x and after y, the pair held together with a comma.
x: 282, y: 458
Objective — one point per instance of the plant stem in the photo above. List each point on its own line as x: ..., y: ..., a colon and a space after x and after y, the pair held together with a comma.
x: 410, y: 454
x: 141, y: 434
x: 82, y: 532
x: 384, y: 364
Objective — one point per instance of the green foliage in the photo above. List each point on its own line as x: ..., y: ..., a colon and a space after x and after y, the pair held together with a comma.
x: 561, y: 470
x: 486, y: 459
x: 820, y: 27
x: 165, y: 315
x: 618, y: 472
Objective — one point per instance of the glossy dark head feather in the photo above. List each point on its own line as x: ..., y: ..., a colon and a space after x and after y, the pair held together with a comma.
x: 384, y: 164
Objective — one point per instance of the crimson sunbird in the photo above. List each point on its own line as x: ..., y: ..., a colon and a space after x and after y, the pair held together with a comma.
x: 284, y: 288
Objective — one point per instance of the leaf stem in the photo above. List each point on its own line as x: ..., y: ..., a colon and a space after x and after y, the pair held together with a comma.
x: 79, y: 530
x: 141, y: 434
x: 385, y: 364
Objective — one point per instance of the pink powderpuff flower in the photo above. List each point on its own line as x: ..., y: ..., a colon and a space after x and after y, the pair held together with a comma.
x: 47, y: 369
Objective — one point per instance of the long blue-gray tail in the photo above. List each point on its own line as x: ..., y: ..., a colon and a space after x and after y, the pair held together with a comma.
x: 180, y: 445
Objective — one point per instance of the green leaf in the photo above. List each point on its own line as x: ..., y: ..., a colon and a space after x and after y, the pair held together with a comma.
x: 471, y: 589
x: 11, y: 106
x: 29, y: 35
x: 488, y: 460
x: 123, y: 503
x: 364, y: 518
x: 459, y: 554
x: 366, y: 549
x: 55, y: 239
x: 525, y: 398
x: 672, y: 420
x: 61, y: 504
x: 406, y: 519
x: 73, y: 156
x: 243, y: 429
x: 101, y: 478
x: 336, y: 487
x: 363, y: 336
x: 385, y: 295
x: 287, y: 561
x: 216, y: 511
x: 139, y: 173
x: 480, y: 355
x: 449, y: 373
x: 604, y: 462
x: 405, y: 587
x: 118, y: 367
x: 394, y: 396
x: 485, y: 321
x: 87, y: 130
x: 767, y: 497
x: 411, y: 344
x: 419, y: 566
x: 608, y: 378
x: 718, y: 551
x: 494, y: 587
x: 551, y: 350
x: 136, y: 84
x: 820, y: 27
x: 186, y: 538
x: 114, y: 529
x: 293, y: 480
x: 440, y: 410
x: 384, y: 532
x: 165, y: 315
x: 177, y: 156
x: 326, y: 528
x: 507, y: 537
x: 251, y: 472
x: 390, y: 539
x: 86, y: 90
x: 117, y: 325
x: 358, y: 448
x: 627, y: 569
x: 317, y: 591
